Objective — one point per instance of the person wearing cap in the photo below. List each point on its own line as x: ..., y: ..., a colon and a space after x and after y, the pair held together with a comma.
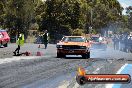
x: 19, y: 42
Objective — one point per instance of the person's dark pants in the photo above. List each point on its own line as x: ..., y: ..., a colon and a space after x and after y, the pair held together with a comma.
x: 17, y: 50
x: 129, y: 47
x: 114, y: 46
x: 126, y: 47
x: 45, y: 44
x: 122, y: 47
x: 117, y: 46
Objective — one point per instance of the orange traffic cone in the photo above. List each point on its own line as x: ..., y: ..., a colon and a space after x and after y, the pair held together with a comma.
x: 39, y: 54
x: 27, y: 53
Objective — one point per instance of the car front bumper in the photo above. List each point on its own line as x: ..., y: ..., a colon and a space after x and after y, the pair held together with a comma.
x: 72, y: 51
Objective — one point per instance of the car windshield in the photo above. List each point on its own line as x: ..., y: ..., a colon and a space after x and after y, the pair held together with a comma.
x: 73, y: 39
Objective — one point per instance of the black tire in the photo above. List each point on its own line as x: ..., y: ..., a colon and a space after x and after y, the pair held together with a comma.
x: 59, y: 55
x: 86, y: 56
x: 5, y: 45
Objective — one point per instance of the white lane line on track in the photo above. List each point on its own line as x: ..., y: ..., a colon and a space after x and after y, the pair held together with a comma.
x: 96, y: 71
x: 76, y: 85
x: 8, y: 60
x: 118, y: 72
x: 64, y: 84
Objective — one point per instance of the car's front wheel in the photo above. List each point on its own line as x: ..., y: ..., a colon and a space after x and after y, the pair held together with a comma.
x: 60, y: 55
x: 86, y: 56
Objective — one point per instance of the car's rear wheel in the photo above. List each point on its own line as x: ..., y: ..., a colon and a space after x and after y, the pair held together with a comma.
x: 5, y: 45
x: 60, y: 55
x: 86, y: 56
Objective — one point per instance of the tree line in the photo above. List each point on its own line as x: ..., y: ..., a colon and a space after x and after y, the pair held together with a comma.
x: 59, y: 17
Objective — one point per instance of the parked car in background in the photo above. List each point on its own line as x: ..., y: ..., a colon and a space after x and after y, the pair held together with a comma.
x: 73, y: 45
x: 4, y: 38
x: 98, y: 42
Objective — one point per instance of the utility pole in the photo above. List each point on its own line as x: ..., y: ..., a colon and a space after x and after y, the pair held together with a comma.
x: 17, y: 21
x: 91, y: 18
x: 89, y: 23
x: 17, y: 18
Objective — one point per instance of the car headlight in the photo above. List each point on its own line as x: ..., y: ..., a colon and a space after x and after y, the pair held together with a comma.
x: 59, y: 46
x: 82, y: 47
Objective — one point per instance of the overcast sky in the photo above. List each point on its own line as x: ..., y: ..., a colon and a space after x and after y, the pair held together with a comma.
x: 125, y: 3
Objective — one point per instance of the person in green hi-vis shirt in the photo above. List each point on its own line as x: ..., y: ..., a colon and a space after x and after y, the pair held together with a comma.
x: 19, y: 42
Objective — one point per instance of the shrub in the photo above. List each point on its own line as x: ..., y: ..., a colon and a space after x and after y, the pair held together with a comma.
x: 77, y: 32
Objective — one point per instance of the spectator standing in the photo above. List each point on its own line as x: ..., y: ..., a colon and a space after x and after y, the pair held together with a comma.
x: 126, y: 43
x: 116, y: 42
x: 129, y: 46
x: 45, y: 38
x: 121, y: 41
x: 20, y: 42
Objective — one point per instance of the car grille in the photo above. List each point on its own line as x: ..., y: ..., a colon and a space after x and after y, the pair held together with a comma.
x: 71, y: 47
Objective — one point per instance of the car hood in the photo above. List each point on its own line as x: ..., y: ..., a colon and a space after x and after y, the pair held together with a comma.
x: 72, y: 43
